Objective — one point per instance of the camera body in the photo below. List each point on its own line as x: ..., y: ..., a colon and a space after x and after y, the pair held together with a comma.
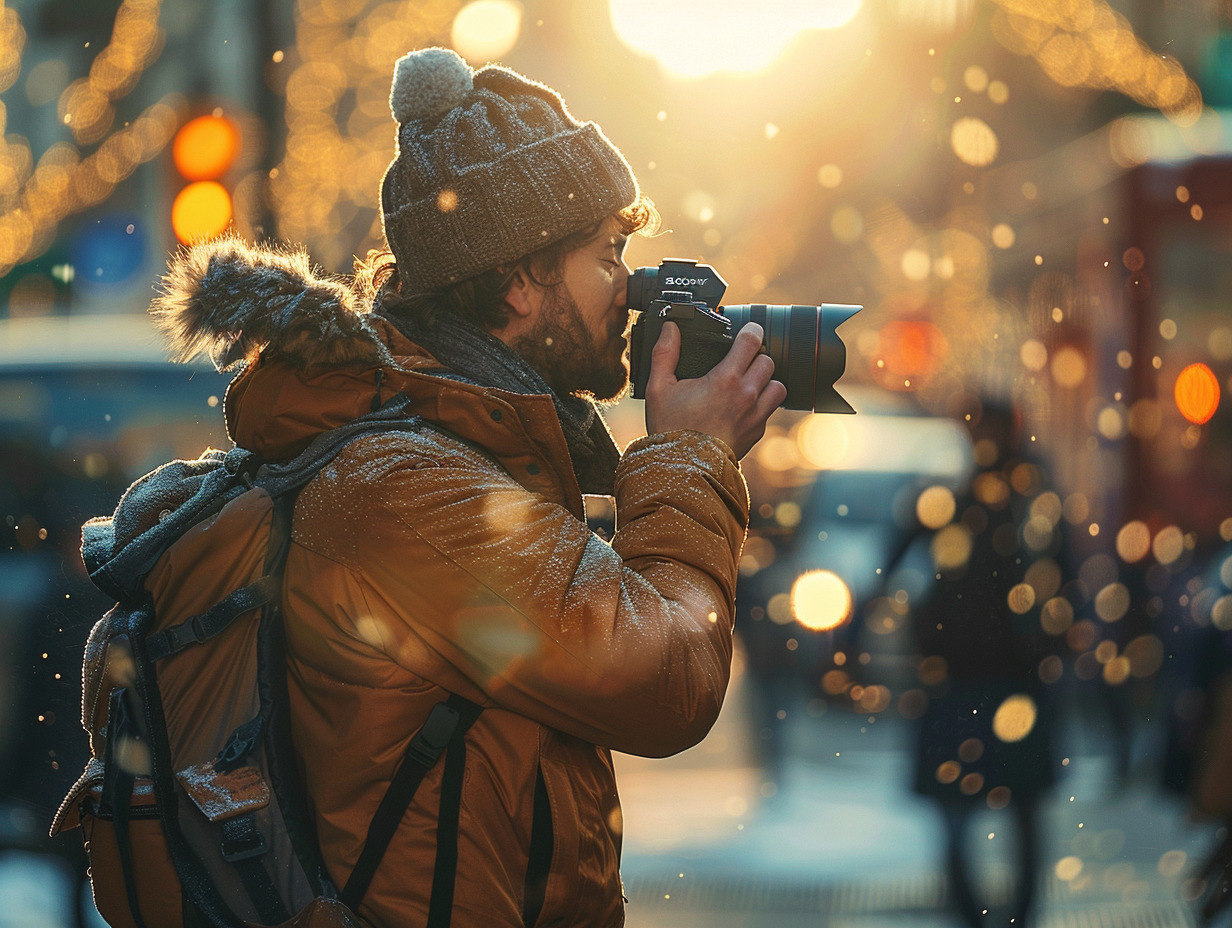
x: 705, y: 337
x: 808, y: 355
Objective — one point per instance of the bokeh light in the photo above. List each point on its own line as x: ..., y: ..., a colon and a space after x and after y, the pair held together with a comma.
x: 109, y: 251
x: 1197, y: 393
x: 911, y: 349
x: 847, y: 224
x: 1057, y: 615
x: 820, y: 600
x: 933, y: 670
x: 830, y: 175
x: 1068, y: 868
x: 1044, y: 577
x: 1133, y: 541
x: 205, y: 148
x: 1014, y: 718
x: 1069, y: 367
x: 823, y: 441
x: 1171, y: 863
x: 201, y: 211
x: 1221, y: 613
x: 974, y: 141
x: 1112, y: 602
x: 1169, y: 544
x: 487, y: 29
x: 935, y: 507
x: 971, y: 784
x: 1021, y: 598
x: 1051, y: 669
x: 951, y: 547
x: 1034, y: 354
x: 1145, y: 655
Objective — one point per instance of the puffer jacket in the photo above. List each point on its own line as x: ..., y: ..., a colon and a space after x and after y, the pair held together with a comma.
x: 456, y: 559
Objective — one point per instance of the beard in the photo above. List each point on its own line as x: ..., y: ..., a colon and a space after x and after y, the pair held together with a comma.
x: 572, y: 358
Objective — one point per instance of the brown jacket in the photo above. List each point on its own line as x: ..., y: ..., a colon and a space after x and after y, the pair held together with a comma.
x: 456, y: 559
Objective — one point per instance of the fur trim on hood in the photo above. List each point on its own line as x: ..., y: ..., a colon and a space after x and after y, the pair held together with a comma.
x: 232, y: 301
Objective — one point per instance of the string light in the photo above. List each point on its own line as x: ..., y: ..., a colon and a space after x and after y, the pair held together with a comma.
x: 35, y: 198
x: 336, y: 155
x: 1086, y: 43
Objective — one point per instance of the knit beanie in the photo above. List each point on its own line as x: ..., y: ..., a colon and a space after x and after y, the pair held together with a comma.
x: 490, y: 167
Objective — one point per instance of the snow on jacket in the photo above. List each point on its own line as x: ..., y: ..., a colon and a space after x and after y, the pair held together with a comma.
x: 456, y: 559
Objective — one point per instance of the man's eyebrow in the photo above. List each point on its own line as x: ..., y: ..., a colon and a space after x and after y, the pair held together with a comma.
x: 619, y: 241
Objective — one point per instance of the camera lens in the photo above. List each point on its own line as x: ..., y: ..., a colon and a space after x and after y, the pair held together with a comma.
x: 808, y: 355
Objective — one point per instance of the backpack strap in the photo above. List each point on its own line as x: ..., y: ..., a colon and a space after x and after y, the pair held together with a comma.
x: 286, y: 781
x: 444, y: 729
x: 215, y: 620
x: 241, y: 843
x: 440, y: 904
x: 539, y: 859
x: 243, y: 846
x: 118, y: 784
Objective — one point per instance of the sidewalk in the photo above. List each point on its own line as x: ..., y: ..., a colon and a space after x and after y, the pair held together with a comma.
x: 842, y: 842
x: 839, y: 843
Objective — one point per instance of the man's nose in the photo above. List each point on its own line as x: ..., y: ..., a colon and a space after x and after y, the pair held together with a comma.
x: 622, y: 280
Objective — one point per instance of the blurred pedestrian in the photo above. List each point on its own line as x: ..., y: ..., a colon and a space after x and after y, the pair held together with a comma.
x: 984, y: 738
x: 1198, y: 757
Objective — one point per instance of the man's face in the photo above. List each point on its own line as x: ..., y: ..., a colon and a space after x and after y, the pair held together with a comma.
x: 579, y: 340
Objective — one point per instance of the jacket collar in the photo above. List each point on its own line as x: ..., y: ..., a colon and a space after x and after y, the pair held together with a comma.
x: 313, y: 357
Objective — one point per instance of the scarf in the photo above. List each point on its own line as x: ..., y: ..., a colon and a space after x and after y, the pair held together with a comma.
x: 475, y: 356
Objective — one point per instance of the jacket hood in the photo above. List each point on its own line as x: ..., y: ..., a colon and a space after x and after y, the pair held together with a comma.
x: 312, y: 357
x: 234, y: 302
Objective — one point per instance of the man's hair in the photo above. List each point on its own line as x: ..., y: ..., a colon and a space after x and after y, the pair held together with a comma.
x: 480, y: 300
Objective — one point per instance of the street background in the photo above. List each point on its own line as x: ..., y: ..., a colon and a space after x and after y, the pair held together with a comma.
x: 840, y: 842
x: 1030, y: 199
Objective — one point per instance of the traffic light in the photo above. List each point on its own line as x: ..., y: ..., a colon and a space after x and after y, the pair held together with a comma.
x: 203, y: 151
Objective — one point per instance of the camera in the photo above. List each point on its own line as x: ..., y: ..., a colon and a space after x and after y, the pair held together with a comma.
x: 808, y: 355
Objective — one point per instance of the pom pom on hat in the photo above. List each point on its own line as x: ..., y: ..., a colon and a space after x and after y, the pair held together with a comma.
x: 428, y: 83
x: 490, y: 167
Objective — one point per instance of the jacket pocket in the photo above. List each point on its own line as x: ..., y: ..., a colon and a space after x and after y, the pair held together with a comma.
x: 150, y: 878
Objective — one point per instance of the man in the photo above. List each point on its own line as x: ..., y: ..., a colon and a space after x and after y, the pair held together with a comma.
x: 455, y: 559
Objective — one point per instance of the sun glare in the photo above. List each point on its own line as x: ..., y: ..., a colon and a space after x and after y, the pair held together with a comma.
x: 487, y: 29
x: 693, y: 38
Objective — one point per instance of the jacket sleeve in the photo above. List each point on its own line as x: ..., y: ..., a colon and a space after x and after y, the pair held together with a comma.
x: 627, y: 645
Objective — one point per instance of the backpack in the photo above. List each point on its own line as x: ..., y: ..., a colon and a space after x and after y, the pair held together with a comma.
x: 191, y: 804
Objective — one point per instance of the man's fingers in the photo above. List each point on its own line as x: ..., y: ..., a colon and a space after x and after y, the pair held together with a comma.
x: 761, y: 371
x: 745, y: 347
x: 665, y: 355
x: 771, y: 399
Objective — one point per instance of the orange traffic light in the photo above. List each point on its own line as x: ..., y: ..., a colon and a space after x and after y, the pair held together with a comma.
x: 204, y: 150
x: 205, y: 147
x: 201, y: 211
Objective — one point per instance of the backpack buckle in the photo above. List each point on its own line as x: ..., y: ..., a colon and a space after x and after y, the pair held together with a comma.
x: 434, y: 736
x: 241, y: 840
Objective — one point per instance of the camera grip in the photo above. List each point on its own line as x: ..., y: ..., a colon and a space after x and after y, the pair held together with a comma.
x: 700, y: 352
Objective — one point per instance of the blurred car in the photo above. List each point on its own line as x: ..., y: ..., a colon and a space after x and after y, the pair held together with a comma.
x: 832, y: 564
x: 87, y: 404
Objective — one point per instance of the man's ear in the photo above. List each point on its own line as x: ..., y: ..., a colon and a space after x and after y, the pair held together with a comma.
x: 524, y: 296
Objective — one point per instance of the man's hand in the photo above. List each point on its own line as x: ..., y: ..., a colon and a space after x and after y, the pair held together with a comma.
x: 731, y: 402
